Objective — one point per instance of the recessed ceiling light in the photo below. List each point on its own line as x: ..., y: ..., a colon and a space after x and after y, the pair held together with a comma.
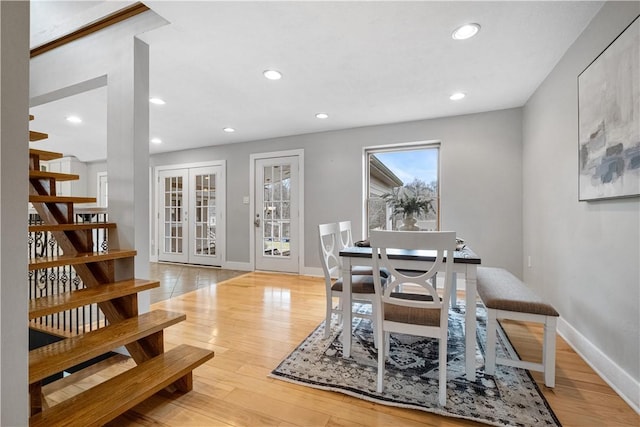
x: 465, y: 32
x: 229, y: 130
x: 157, y: 101
x: 74, y: 119
x: 272, y: 74
x: 457, y: 96
x: 156, y: 140
x: 322, y: 116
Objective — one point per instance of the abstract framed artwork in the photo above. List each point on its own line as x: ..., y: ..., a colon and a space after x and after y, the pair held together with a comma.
x: 609, y: 120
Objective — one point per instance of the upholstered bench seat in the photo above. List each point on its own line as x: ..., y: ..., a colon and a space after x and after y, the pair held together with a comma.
x: 506, y: 297
x: 501, y: 290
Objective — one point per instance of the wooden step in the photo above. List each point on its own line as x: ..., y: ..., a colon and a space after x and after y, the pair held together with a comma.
x: 51, y: 330
x: 60, y: 199
x: 72, y: 227
x: 82, y: 258
x: 33, y: 174
x: 37, y: 136
x: 53, y: 358
x: 69, y: 300
x: 45, y: 155
x: 107, y: 400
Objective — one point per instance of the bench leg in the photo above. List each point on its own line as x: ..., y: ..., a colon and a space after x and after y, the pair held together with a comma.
x: 490, y: 356
x: 549, y: 351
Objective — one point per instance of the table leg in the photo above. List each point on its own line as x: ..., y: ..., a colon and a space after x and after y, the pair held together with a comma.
x: 346, y: 307
x: 470, y: 323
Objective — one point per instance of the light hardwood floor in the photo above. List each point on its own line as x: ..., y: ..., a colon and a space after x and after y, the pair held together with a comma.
x: 254, y: 320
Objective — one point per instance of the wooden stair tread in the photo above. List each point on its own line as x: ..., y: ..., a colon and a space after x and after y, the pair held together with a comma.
x: 37, y: 136
x: 109, y: 399
x: 66, y: 301
x: 55, y: 175
x: 81, y: 258
x: 53, y: 358
x: 45, y: 155
x: 51, y: 330
x: 72, y: 227
x: 60, y: 199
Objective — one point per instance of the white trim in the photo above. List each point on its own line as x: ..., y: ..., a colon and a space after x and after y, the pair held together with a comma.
x: 402, y: 145
x: 252, y: 193
x: 620, y: 381
x: 312, y: 271
x: 395, y: 146
x: 153, y: 253
x: 190, y: 165
x: 241, y: 266
x: 99, y: 188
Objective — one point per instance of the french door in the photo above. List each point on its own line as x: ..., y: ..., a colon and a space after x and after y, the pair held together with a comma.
x: 276, y: 216
x: 191, y: 228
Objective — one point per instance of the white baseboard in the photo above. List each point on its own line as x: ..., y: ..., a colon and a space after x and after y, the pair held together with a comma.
x: 620, y: 381
x: 241, y: 266
x: 312, y: 271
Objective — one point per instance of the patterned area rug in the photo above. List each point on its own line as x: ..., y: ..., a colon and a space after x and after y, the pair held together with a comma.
x: 511, y: 397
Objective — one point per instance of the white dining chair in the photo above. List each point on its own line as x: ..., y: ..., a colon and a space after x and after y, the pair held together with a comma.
x: 362, y: 288
x: 346, y: 241
x: 418, y: 309
x: 346, y: 236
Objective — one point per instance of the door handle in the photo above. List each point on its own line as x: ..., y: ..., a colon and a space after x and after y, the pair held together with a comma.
x: 256, y: 222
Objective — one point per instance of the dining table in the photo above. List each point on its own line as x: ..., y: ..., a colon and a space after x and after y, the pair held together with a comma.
x: 465, y: 261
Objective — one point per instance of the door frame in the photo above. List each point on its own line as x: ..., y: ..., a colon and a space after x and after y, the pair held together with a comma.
x: 252, y: 201
x: 221, y: 233
x: 99, y: 190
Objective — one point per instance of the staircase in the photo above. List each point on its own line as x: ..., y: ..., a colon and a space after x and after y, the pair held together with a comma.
x: 141, y: 334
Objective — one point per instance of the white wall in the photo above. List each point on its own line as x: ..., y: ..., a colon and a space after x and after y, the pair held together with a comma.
x: 14, y: 118
x: 481, y: 162
x: 585, y: 255
x: 92, y: 177
x: 116, y: 58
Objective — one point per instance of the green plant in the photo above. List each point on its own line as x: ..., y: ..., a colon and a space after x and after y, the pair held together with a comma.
x: 411, y: 199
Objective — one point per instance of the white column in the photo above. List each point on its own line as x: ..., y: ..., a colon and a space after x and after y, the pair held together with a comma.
x: 14, y: 122
x: 128, y: 158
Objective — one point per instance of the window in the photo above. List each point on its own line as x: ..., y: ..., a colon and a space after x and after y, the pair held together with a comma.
x: 408, y: 175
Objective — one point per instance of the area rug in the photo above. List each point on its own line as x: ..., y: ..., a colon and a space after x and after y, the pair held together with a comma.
x: 509, y: 398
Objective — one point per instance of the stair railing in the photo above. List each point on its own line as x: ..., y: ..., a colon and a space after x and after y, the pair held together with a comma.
x: 58, y: 280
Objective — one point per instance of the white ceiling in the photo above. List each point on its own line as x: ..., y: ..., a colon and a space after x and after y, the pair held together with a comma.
x: 363, y: 63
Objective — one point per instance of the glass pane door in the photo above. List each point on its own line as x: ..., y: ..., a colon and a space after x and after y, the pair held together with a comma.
x: 206, y: 186
x: 191, y: 218
x: 276, y: 214
x: 277, y: 211
x: 173, y: 216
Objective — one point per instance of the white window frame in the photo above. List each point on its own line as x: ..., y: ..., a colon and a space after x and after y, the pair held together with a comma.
x: 402, y: 146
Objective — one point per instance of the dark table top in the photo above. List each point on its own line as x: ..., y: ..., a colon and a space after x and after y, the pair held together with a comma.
x: 464, y: 256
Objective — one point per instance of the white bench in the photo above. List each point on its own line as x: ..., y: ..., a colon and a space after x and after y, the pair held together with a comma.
x: 506, y: 297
